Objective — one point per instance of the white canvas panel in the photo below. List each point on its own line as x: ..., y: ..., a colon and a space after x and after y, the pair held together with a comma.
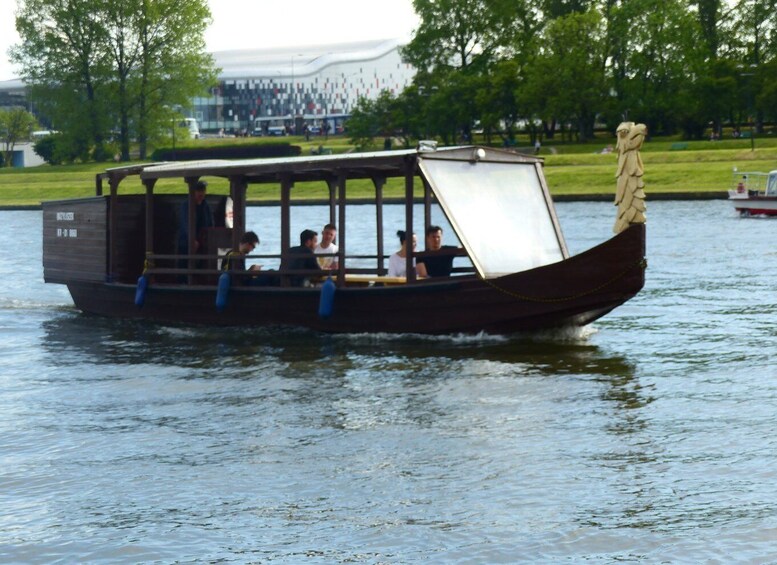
x: 499, y: 213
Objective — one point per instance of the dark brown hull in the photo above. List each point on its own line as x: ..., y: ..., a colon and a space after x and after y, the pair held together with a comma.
x: 573, y: 292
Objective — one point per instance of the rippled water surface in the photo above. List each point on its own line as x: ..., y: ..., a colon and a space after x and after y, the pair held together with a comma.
x: 647, y: 437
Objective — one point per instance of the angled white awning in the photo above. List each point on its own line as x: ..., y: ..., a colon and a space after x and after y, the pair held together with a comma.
x: 499, y: 212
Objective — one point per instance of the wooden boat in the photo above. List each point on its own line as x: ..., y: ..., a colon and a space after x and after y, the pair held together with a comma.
x: 116, y: 252
x: 754, y: 194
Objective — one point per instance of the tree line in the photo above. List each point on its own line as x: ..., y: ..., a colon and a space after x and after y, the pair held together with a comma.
x: 679, y: 66
x: 105, y: 72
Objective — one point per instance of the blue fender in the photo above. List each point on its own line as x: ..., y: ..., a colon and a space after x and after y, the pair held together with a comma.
x: 140, y: 291
x: 222, y: 294
x: 326, y: 303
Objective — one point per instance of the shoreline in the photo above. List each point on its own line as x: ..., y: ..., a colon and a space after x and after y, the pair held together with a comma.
x: 710, y: 195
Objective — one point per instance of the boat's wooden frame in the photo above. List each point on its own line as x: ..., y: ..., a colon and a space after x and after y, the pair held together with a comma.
x: 118, y: 238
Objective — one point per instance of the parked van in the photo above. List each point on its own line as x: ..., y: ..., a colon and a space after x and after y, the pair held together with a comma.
x: 192, y: 126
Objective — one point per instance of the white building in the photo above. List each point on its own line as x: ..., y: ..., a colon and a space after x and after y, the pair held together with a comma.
x: 291, y: 86
x: 316, y: 85
x: 23, y: 155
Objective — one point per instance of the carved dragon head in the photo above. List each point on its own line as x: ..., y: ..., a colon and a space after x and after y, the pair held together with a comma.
x: 630, y: 136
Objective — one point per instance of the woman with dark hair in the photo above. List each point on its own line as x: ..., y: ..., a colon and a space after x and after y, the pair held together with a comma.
x: 398, y: 260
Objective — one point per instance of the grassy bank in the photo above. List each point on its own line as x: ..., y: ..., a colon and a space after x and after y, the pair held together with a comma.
x: 570, y: 170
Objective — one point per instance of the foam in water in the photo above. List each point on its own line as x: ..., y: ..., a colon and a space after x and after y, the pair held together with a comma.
x: 27, y: 304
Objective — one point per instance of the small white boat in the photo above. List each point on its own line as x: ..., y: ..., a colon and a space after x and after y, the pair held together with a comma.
x: 754, y: 194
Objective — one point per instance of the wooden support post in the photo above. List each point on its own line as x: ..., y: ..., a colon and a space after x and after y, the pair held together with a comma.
x: 113, y: 212
x: 379, y: 182
x: 286, y: 185
x: 237, y: 191
x: 332, y: 184
x: 149, y: 184
x: 191, y: 222
x: 427, y: 206
x: 341, y: 250
x: 410, y: 165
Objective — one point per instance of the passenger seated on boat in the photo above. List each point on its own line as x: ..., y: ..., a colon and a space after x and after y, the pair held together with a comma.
x: 741, y: 185
x: 235, y: 261
x: 302, y: 257
x: 436, y: 265
x: 327, y: 247
x: 398, y: 261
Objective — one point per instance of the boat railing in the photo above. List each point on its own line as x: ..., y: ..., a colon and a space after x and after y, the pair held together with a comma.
x: 445, y: 251
x: 179, y: 268
x: 750, y: 183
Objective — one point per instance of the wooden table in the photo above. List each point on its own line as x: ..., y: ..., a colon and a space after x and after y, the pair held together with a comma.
x: 373, y: 279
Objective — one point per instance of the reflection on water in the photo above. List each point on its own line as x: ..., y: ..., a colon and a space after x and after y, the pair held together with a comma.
x: 100, y: 340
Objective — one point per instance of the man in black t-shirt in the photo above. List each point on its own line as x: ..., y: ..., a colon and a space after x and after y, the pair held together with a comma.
x: 302, y: 257
x: 437, y: 265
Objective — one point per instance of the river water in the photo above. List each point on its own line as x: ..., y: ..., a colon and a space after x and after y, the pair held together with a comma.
x: 648, y: 437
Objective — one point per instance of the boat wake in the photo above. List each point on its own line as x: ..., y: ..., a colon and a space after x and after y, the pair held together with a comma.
x: 24, y: 304
x: 458, y: 339
x: 572, y: 334
x: 180, y: 332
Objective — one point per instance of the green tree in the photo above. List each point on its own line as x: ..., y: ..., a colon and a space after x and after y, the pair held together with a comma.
x: 16, y: 125
x: 766, y: 97
x: 660, y: 58
x: 709, y: 15
x: 63, y: 55
x: 756, y: 30
x: 553, y: 9
x: 567, y: 78
x: 409, y: 115
x: 497, y: 100
x: 172, y: 45
x: 450, y: 105
x: 112, y: 64
x: 370, y: 119
x: 121, y: 22
x: 459, y: 33
x: 46, y: 147
x: 451, y: 33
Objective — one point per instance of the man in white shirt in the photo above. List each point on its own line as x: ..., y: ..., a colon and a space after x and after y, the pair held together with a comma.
x: 327, y: 246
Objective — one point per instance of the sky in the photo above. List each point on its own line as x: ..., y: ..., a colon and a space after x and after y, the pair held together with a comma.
x: 256, y: 24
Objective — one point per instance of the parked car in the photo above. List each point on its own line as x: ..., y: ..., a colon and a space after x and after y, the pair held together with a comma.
x: 314, y: 130
x: 276, y: 131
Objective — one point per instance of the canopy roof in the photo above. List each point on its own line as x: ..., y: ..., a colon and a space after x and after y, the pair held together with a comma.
x: 352, y: 165
x: 496, y: 201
